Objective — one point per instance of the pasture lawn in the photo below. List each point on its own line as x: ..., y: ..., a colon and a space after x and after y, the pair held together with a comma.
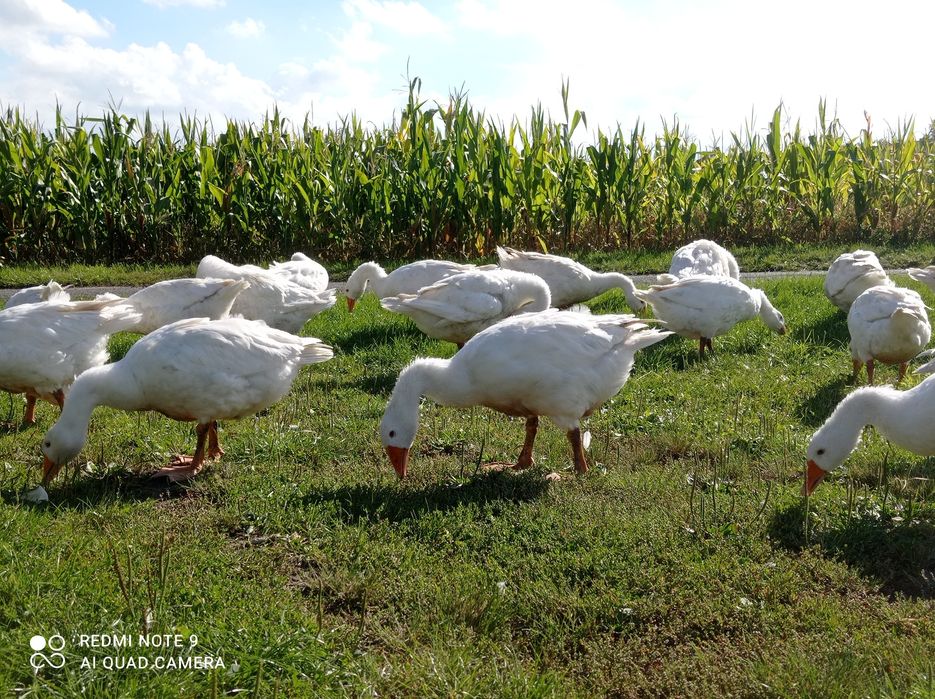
x: 684, y: 564
x: 752, y: 258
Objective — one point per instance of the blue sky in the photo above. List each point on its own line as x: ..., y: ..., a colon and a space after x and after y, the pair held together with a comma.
x: 712, y: 64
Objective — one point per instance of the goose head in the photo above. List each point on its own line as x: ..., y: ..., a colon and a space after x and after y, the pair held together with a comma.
x: 60, y: 445
x: 398, y: 431
x: 401, y: 418
x: 770, y: 314
x: 834, y: 441
x: 630, y: 292
x: 827, y: 450
x: 360, y: 278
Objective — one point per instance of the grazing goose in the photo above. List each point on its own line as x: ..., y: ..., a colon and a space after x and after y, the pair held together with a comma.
x: 903, y: 417
x: 926, y: 275
x: 271, y: 298
x: 407, y: 279
x: 460, y: 306
x: 302, y: 270
x: 196, y: 370
x: 52, y: 292
x: 851, y: 274
x: 569, y: 282
x: 700, y: 258
x: 704, y: 307
x: 44, y: 346
x: 555, y: 364
x: 887, y: 324
x: 176, y: 299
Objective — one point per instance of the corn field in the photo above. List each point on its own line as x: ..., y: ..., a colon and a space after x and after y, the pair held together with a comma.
x: 442, y: 180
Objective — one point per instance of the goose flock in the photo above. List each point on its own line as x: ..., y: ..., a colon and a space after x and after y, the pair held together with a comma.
x: 224, y: 345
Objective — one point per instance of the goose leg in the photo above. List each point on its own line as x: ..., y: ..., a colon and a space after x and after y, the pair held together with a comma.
x: 186, y: 467
x: 701, y: 346
x: 858, y: 365
x: 459, y: 345
x: 870, y: 371
x: 59, y: 396
x: 710, y: 344
x: 902, y: 371
x: 29, y: 417
x: 214, y: 444
x: 525, y: 456
x: 577, y: 450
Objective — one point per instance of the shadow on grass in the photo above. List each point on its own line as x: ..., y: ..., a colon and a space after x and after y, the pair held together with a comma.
x: 901, y: 557
x: 391, y: 502
x: 674, y: 353
x: 816, y: 408
x: 827, y: 330
x: 8, y: 427
x: 12, y: 421
x: 377, y: 334
x: 379, y: 384
x: 84, y: 492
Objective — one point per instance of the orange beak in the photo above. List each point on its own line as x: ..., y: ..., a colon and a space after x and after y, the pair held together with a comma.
x: 49, y: 470
x: 350, y: 304
x: 814, y: 475
x: 399, y: 457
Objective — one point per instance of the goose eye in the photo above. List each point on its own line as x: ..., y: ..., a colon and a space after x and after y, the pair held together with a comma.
x: 48, y: 444
x: 392, y: 433
x: 820, y: 452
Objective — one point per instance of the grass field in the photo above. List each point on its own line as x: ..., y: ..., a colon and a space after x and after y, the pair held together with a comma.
x: 684, y: 564
x: 752, y: 258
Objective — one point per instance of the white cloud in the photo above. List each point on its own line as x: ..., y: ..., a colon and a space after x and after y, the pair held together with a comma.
x: 707, y: 63
x: 48, y: 16
x: 358, y: 45
x: 204, y: 4
x: 47, y: 69
x: 293, y: 71
x: 405, y: 18
x: 247, y: 29
x: 138, y: 78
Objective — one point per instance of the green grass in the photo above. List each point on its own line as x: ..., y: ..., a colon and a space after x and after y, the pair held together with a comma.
x: 684, y: 564
x: 92, y: 275
x: 753, y: 258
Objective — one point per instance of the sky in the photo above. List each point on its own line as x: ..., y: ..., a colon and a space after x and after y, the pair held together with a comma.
x: 714, y: 65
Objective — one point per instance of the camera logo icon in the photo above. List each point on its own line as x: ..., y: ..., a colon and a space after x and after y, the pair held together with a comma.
x: 54, y: 659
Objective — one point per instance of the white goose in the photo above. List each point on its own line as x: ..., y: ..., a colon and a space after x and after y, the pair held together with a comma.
x: 557, y: 364
x: 887, y: 324
x: 52, y: 292
x: 704, y: 307
x: 271, y: 298
x: 195, y: 370
x: 407, y: 279
x: 700, y: 258
x: 302, y: 270
x: 851, y: 274
x: 903, y: 417
x: 44, y: 346
x: 176, y: 299
x: 569, y: 282
x: 458, y: 307
x: 926, y: 275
